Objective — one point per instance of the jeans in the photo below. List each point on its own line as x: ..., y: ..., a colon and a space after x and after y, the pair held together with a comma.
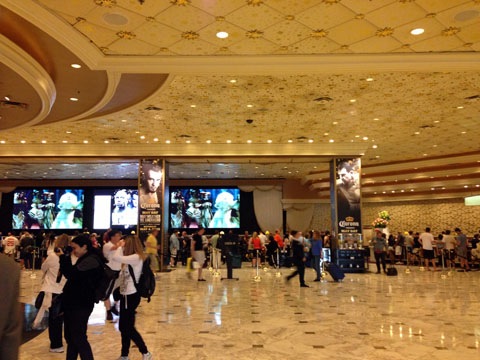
x: 76, y: 321
x: 316, y: 265
x: 128, y: 305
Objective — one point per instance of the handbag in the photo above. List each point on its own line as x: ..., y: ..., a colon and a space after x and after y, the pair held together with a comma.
x: 39, y: 299
x: 391, y: 271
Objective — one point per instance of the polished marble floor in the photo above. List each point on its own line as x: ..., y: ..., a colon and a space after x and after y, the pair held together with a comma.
x: 416, y: 315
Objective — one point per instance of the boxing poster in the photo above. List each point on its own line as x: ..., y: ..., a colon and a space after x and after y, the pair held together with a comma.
x: 347, y: 195
x: 150, y: 191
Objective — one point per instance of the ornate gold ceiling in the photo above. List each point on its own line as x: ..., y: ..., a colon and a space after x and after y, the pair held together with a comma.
x: 294, y: 83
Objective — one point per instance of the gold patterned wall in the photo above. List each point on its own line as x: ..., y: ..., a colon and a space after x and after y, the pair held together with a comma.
x: 438, y: 214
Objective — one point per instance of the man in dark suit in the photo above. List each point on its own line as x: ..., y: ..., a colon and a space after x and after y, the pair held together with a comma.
x: 10, y: 317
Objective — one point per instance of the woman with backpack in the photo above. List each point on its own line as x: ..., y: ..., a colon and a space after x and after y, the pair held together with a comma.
x: 131, y: 255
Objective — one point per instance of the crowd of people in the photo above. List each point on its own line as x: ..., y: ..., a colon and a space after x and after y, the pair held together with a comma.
x: 424, y: 249
x: 73, y: 267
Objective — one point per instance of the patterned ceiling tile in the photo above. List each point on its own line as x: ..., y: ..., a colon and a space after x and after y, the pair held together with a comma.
x: 431, y: 26
x: 364, y: 7
x: 253, y: 46
x: 437, y: 43
x: 325, y: 16
x: 158, y: 34
x: 434, y: 6
x: 132, y: 47
x: 376, y: 45
x: 255, y: 17
x: 100, y: 36
x: 343, y: 33
x: 287, y: 33
x: 219, y: 8
x: 185, y: 18
x: 396, y: 14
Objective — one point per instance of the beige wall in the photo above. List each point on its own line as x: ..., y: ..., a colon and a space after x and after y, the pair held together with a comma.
x: 413, y: 215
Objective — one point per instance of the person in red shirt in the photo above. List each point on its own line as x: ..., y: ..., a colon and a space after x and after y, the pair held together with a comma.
x: 256, y: 245
x: 278, y: 238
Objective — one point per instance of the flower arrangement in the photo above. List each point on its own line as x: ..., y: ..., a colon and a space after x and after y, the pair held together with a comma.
x: 382, y: 220
x: 384, y: 215
x: 380, y: 223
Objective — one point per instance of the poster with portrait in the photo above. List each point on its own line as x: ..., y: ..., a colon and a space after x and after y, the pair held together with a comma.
x: 348, y: 195
x: 150, y: 194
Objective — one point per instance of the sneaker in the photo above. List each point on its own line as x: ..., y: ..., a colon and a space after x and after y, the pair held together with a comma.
x: 147, y: 356
x: 109, y: 315
x: 57, y: 350
x: 123, y: 358
x: 304, y: 285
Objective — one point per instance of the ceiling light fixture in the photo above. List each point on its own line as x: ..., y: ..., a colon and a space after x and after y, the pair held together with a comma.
x: 249, y: 141
x: 23, y: 141
x: 44, y: 141
x: 369, y: 79
x: 417, y: 31
x: 209, y: 141
x: 229, y: 141
x: 73, y: 99
x: 188, y: 141
x: 76, y: 66
x: 167, y: 141
x: 7, y: 98
x: 233, y: 81
x: 85, y: 141
x: 310, y: 140
x: 269, y: 141
x: 222, y: 34
x: 290, y: 140
x: 353, y: 100
x: 331, y: 140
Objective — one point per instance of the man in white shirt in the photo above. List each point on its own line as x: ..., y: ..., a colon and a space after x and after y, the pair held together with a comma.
x: 427, y: 240
x: 109, y: 248
x: 450, y: 244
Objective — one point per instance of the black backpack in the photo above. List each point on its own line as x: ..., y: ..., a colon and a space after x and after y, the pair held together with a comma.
x: 146, y: 284
x: 105, y: 283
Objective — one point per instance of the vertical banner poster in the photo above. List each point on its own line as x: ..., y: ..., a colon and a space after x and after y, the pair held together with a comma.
x: 347, y: 184
x: 150, y: 196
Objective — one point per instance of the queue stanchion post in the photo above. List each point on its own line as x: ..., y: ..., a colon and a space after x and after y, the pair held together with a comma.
x: 216, y: 252
x: 257, y: 277
x: 33, y: 275
x: 277, y: 265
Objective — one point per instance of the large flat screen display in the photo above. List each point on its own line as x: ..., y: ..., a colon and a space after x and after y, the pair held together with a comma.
x: 48, y: 209
x: 211, y: 208
x: 115, y: 208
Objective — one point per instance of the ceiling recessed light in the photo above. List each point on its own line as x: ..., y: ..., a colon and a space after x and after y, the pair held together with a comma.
x: 374, y: 146
x: 233, y: 81
x: 167, y: 141
x: 73, y: 99
x: 229, y: 141
x: 249, y: 141
x: 325, y: 134
x: 7, y: 98
x: 64, y: 141
x: 460, y: 107
x: 2, y: 141
x: 85, y: 141
x: 365, y: 138
x: 155, y: 139
x: 44, y: 141
x: 249, y: 105
x: 76, y: 66
x: 376, y: 119
x: 23, y: 141
x: 465, y: 186
x: 310, y: 140
x: 269, y: 141
x: 331, y: 140
x: 290, y: 140
x: 124, y: 120
x: 209, y: 141
x: 463, y: 132
x: 188, y: 141
x: 222, y: 34
x: 369, y: 79
x: 142, y: 137
x: 193, y: 106
x: 417, y: 132
x: 353, y: 100
x: 106, y: 141
x: 417, y: 31
x: 335, y: 122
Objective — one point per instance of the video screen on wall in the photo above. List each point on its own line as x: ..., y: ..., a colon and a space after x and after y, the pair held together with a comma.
x: 115, y: 208
x: 48, y: 209
x: 208, y: 207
